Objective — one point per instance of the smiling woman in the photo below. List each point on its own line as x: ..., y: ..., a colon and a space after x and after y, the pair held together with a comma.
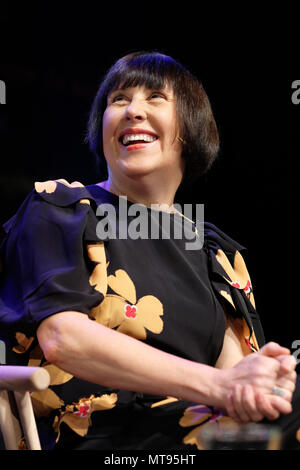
x: 163, y: 80
x: 144, y: 339
x: 140, y: 140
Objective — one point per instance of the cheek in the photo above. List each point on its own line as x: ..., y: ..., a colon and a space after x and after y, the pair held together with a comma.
x: 171, y: 129
x: 171, y: 139
x: 106, y: 125
x: 172, y: 145
x: 109, y: 124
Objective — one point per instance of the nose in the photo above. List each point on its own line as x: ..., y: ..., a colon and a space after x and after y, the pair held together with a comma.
x: 135, y: 111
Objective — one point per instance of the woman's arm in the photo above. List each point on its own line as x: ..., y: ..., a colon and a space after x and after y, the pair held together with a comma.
x: 98, y: 354
x: 234, y: 347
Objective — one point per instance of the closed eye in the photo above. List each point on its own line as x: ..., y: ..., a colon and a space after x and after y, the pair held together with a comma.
x: 119, y: 98
x: 156, y: 95
x: 122, y: 98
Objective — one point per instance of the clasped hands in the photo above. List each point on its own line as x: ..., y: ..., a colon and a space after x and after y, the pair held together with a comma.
x: 249, y: 393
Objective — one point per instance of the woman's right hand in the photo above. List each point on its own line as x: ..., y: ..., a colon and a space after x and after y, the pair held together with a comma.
x: 249, y: 384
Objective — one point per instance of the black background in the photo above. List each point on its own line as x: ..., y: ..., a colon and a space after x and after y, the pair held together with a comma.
x: 53, y: 58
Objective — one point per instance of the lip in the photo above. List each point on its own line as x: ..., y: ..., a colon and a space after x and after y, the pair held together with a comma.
x: 140, y: 146
x: 136, y: 130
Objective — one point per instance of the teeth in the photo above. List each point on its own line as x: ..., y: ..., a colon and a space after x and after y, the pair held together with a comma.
x: 131, y: 137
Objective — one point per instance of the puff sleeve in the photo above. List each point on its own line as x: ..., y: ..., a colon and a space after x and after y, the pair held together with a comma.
x: 45, y: 264
x: 232, y: 284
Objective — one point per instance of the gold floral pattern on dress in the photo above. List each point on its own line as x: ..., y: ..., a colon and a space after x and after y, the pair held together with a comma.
x: 124, y: 312
x: 200, y: 416
x: 50, y: 187
x: 46, y: 401
x: 238, y: 277
x: 228, y: 297
x: 98, y: 278
x: 24, y: 343
x: 78, y: 415
x: 166, y: 401
x: 238, y: 273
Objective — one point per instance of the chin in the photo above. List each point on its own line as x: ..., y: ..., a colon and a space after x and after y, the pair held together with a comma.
x: 137, y: 170
x: 138, y: 175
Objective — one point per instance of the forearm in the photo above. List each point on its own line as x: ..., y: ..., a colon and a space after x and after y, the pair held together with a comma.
x: 98, y: 354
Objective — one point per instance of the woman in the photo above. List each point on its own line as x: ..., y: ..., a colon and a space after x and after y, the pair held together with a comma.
x: 143, y: 339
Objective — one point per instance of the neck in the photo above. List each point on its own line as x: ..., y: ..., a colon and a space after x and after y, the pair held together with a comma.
x: 142, y: 190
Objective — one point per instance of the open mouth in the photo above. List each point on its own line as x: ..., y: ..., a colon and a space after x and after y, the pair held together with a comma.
x: 128, y: 139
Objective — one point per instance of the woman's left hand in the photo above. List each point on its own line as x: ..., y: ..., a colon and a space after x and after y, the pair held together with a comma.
x: 246, y: 403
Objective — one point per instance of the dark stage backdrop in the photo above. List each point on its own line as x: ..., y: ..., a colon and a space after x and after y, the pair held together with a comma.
x: 52, y: 61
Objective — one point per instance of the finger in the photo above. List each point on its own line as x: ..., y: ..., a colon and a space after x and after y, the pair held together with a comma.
x: 248, y: 398
x: 282, y: 393
x: 288, y: 384
x: 237, y: 399
x: 273, y: 349
x: 287, y: 363
x: 282, y: 405
x: 230, y: 408
x: 265, y: 407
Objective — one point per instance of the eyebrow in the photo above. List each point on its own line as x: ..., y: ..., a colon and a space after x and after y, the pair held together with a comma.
x: 117, y: 90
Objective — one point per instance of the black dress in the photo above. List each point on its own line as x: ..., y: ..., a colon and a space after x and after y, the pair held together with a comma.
x: 56, y: 257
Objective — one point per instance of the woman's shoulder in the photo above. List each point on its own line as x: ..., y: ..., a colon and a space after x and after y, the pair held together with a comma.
x: 62, y: 193
x: 49, y: 201
x: 215, y: 238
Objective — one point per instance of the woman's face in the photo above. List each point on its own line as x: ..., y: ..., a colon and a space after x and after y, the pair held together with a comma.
x: 139, y: 133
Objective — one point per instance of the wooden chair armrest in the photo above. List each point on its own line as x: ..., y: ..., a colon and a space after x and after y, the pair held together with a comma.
x: 23, y: 378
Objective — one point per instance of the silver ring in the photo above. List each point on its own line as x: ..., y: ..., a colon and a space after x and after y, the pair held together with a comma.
x: 280, y: 392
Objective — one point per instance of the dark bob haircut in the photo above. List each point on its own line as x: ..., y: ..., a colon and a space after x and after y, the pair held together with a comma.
x: 197, y: 126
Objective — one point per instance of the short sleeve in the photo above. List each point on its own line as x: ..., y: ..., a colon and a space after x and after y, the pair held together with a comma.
x: 232, y: 283
x: 45, y: 264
